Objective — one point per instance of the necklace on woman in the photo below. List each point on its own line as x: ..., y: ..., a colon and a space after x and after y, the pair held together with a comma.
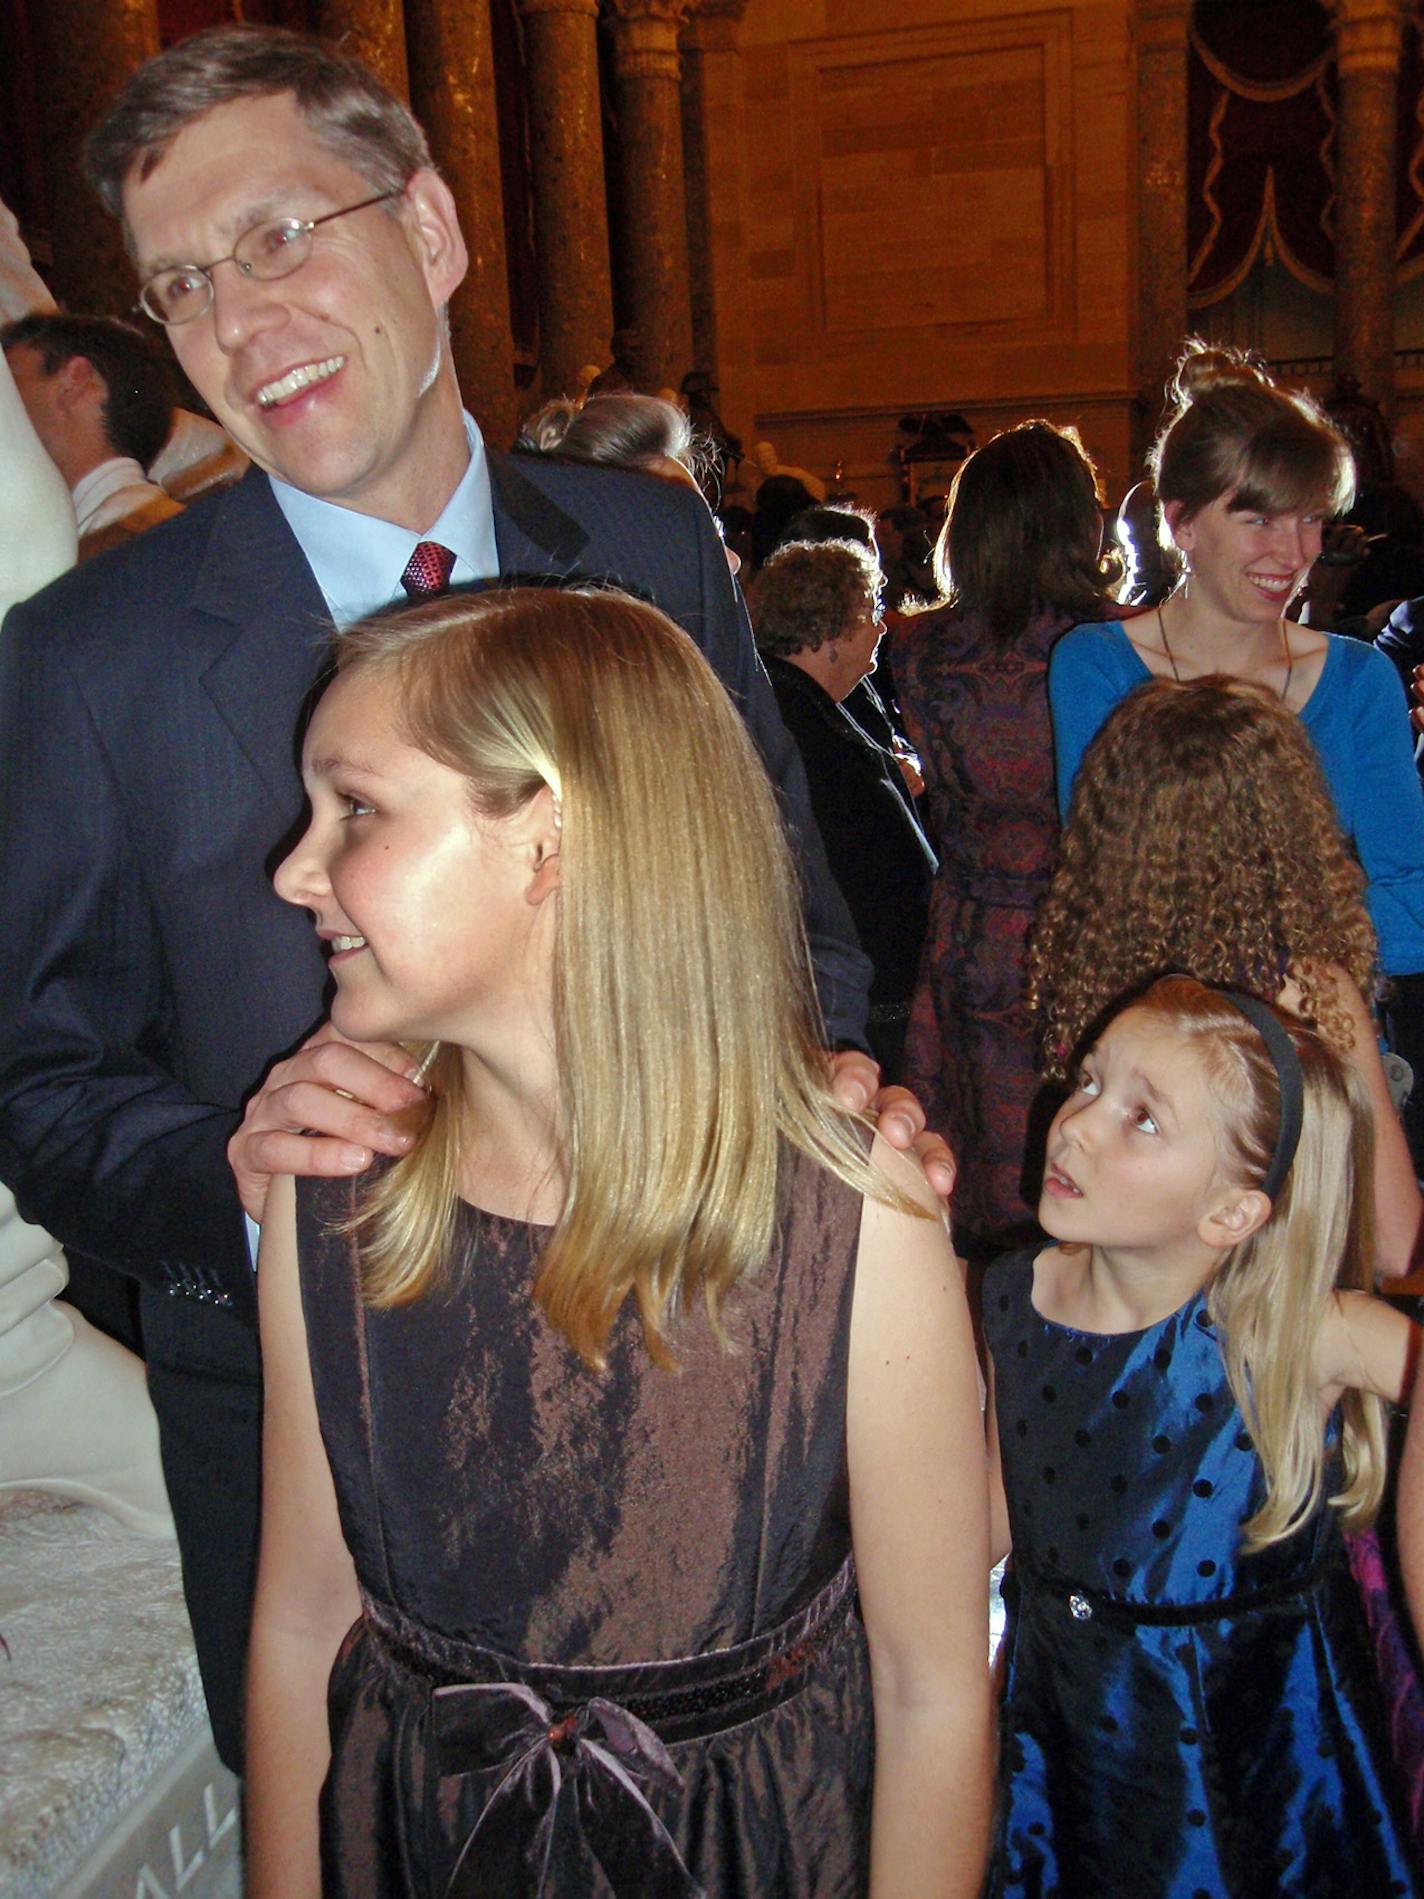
x: 1285, y: 653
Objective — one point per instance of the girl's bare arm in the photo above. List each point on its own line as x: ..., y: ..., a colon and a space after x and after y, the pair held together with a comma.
x: 1409, y: 1518
x: 1399, y: 1209
x: 1000, y: 1541
x: 307, y: 1596
x: 1366, y: 1344
x: 920, y: 1524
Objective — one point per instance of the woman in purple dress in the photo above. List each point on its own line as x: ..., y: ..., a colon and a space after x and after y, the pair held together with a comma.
x: 1020, y: 561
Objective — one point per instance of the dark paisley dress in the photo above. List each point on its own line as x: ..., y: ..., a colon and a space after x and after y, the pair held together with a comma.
x: 977, y: 714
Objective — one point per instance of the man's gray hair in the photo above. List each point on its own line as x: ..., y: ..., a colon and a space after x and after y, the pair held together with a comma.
x: 347, y: 108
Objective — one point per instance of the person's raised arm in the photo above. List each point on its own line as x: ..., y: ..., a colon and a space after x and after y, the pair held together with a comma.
x: 919, y: 1523
x: 1365, y: 1344
x: 1409, y: 1518
x: 1000, y: 1540
x: 1399, y: 1207
x: 307, y: 1595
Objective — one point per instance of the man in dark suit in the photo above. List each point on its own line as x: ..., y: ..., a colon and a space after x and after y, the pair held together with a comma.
x: 289, y: 231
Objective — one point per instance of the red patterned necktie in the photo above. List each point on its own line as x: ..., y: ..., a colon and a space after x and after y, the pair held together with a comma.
x: 427, y: 572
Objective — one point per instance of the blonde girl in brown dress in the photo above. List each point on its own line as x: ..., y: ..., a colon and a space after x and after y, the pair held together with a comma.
x: 586, y: 1420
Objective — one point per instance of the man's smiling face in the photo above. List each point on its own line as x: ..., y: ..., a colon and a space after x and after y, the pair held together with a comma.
x: 336, y: 379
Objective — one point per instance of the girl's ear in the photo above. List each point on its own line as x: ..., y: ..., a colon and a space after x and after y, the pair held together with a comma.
x: 544, y: 834
x: 1234, y: 1219
x: 1179, y: 524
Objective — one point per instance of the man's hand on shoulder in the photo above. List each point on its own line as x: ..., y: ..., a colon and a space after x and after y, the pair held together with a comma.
x: 328, y: 1109
x: 899, y: 1118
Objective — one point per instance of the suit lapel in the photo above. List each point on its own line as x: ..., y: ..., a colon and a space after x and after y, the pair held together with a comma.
x: 270, y: 631
x: 533, y: 535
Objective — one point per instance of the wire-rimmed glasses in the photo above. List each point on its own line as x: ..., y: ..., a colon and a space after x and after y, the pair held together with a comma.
x: 274, y: 248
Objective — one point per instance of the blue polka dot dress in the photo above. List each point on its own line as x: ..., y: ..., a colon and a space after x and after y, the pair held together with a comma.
x: 1179, y: 1719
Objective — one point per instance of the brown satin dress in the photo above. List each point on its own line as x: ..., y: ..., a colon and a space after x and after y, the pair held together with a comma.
x: 505, y: 1506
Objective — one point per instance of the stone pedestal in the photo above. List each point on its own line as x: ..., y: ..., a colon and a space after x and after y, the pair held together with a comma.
x: 653, y: 196
x: 1368, y: 39
x: 570, y: 212
x: 451, y: 64
x: 86, y: 49
x: 711, y: 148
x: 1161, y: 44
x: 372, y: 31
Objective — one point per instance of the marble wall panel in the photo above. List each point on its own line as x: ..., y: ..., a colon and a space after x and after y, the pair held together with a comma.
x: 937, y: 214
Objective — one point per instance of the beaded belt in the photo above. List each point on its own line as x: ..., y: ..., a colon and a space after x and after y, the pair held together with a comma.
x: 528, y: 1723
x: 1086, y: 1605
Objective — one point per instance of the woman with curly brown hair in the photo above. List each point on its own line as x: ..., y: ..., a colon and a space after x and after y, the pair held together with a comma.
x: 1202, y: 838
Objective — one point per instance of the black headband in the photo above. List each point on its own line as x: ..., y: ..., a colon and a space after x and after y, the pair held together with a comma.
x: 1286, y: 1062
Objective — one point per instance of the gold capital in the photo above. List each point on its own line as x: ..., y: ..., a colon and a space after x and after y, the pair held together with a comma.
x: 645, y: 37
x: 1369, y: 34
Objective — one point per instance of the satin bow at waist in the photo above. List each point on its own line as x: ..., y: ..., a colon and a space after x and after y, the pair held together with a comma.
x: 525, y: 1726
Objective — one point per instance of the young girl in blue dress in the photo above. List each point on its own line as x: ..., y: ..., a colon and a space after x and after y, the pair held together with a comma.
x: 575, y: 1413
x: 1188, y: 1387
x: 1202, y: 838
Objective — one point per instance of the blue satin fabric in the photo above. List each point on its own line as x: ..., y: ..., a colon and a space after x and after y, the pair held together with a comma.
x: 1179, y: 1720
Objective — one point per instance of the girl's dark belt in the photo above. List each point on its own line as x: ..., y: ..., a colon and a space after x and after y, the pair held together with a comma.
x: 526, y: 1724
x: 1087, y: 1605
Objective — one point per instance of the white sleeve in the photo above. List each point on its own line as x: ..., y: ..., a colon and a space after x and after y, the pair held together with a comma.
x: 38, y: 538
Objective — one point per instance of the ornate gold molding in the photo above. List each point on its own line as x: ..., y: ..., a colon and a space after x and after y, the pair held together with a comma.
x: 712, y: 26
x: 671, y: 12
x: 588, y: 8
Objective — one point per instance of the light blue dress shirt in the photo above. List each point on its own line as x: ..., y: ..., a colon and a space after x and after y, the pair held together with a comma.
x: 358, y: 561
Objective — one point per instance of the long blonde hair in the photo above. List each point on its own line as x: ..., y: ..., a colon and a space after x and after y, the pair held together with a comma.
x: 1270, y: 1294
x: 686, y: 1033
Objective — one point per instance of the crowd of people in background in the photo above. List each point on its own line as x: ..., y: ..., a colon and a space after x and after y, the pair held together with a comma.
x: 625, y: 1511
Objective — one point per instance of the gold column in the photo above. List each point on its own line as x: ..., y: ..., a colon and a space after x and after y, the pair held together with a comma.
x: 652, y: 190
x: 372, y: 31
x: 570, y: 210
x: 86, y: 51
x: 711, y: 90
x: 1369, y: 37
x: 1161, y: 202
x: 452, y: 94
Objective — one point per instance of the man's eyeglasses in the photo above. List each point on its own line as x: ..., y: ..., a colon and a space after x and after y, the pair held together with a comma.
x: 274, y: 248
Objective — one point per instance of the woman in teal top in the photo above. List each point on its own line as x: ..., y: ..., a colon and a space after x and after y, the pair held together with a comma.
x: 1246, y: 475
